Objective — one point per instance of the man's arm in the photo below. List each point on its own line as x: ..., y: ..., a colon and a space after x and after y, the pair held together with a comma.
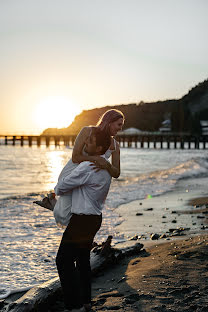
x: 79, y: 176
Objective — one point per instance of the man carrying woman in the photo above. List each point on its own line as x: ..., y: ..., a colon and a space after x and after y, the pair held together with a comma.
x: 82, y: 188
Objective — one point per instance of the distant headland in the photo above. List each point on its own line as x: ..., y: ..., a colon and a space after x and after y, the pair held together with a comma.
x: 185, y: 114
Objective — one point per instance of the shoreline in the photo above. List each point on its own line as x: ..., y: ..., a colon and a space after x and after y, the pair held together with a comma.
x: 184, y: 208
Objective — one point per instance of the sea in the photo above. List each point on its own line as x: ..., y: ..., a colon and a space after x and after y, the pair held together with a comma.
x: 29, y: 236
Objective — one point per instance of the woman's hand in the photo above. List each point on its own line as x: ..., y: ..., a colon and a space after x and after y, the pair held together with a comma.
x: 100, y: 163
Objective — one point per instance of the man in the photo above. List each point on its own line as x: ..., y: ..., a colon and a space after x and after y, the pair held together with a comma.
x: 90, y: 189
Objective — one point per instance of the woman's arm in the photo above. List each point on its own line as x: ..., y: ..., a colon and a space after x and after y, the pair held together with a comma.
x: 114, y: 167
x: 77, y: 156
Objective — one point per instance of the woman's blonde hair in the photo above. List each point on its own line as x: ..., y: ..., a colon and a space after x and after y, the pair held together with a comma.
x: 108, y: 117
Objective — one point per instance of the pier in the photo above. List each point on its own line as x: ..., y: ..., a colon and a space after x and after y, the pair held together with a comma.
x: 155, y: 141
x: 38, y: 140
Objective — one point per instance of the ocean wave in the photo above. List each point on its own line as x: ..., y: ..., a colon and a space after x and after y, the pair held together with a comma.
x: 155, y: 183
x: 127, y: 189
x: 27, y: 196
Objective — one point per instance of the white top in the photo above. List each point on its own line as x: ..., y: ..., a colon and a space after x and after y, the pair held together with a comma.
x: 90, y: 189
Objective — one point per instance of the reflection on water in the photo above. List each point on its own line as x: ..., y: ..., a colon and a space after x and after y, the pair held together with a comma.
x: 55, y: 163
x: 29, y: 240
x: 30, y: 170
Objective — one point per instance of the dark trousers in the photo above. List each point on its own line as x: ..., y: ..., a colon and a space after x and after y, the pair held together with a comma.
x: 73, y: 259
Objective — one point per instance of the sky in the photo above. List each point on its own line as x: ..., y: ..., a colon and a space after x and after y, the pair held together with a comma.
x: 59, y: 57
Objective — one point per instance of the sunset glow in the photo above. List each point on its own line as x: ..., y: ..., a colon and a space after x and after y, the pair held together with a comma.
x: 55, y: 112
x: 83, y: 54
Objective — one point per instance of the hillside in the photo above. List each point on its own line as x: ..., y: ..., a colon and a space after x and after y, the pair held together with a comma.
x: 185, y: 113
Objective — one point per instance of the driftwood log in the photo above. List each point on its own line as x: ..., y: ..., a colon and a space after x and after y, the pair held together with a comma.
x: 41, y: 297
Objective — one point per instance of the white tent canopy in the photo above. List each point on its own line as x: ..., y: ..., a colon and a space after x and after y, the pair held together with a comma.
x: 130, y: 131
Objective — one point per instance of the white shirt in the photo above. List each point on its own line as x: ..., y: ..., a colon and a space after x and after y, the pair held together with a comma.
x: 90, y: 188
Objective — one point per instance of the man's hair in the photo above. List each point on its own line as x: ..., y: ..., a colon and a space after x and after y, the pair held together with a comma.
x: 102, y: 139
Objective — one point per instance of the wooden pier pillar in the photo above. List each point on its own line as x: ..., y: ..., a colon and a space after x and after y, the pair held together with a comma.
x: 135, y: 142
x: 38, y: 141
x: 196, y: 142
x: 189, y: 143
x: 47, y: 141
x: 154, y: 142
x: 6, y: 140
x: 129, y: 142
x: 175, y: 142
x: 14, y: 140
x: 204, y: 142
x: 73, y: 140
x: 168, y: 143
x: 142, y: 142
x: 123, y: 141
x: 182, y: 143
x: 30, y: 141
x: 56, y: 140
x: 161, y: 142
x: 22, y: 141
x: 148, y: 142
x: 66, y: 141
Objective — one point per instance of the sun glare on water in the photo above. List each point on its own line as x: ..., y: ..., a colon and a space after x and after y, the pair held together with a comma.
x: 55, y: 112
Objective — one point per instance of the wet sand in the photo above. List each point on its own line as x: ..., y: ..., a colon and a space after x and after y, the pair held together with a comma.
x: 158, y: 215
x: 172, y: 276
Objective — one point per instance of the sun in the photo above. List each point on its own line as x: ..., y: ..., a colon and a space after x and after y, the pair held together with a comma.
x: 55, y: 112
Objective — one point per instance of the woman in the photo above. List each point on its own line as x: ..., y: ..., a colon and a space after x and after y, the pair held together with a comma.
x: 110, y: 122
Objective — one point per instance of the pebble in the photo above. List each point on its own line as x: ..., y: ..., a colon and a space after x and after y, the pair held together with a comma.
x: 122, y: 279
x: 163, y: 235
x: 139, y: 214
x: 134, y: 237
x: 154, y: 236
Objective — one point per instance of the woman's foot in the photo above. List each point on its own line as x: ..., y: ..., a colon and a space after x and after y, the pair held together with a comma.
x: 47, y: 202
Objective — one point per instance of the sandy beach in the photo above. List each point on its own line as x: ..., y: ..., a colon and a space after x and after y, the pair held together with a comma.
x: 169, y: 274
x: 167, y: 277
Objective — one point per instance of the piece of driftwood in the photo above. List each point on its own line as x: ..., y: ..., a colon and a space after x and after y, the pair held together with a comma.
x: 39, y: 298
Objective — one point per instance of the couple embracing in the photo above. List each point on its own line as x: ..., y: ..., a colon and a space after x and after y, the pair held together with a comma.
x: 82, y: 188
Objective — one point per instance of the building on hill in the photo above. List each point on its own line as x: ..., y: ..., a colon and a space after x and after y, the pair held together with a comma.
x: 204, y: 127
x: 166, y: 126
